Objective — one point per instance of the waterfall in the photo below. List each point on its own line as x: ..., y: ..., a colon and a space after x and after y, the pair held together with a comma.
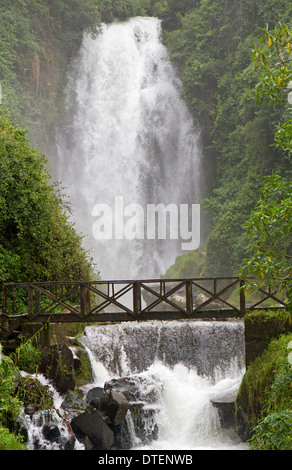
x: 177, y: 369
x: 128, y: 142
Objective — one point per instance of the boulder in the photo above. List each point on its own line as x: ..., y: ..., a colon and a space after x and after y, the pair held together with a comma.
x: 98, y: 398
x: 73, y: 405
x: 117, y: 408
x: 57, y: 364
x: 113, y: 404
x: 91, y: 428
x: 51, y: 432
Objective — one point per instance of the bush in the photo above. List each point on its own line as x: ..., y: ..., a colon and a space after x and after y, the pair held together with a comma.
x: 10, y: 405
x: 37, y: 241
x: 9, y: 441
x: 266, y: 399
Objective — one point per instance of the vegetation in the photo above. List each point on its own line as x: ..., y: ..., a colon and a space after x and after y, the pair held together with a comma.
x: 9, y: 441
x: 212, y: 44
x: 37, y: 241
x: 265, y: 396
x: 38, y: 40
x: 269, y: 227
x: 10, y: 405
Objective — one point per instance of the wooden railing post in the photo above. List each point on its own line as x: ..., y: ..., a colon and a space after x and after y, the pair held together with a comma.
x: 136, y: 298
x: 37, y: 302
x: 189, y: 298
x: 84, y: 300
x: 30, y: 301
x: 242, y: 296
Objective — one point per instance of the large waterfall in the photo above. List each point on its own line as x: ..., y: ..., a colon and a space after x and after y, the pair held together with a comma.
x: 128, y: 142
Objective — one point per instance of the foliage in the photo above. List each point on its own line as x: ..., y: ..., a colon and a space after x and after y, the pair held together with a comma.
x: 212, y: 44
x: 9, y: 441
x: 269, y: 232
x: 122, y: 9
x: 265, y: 396
x: 186, y: 266
x: 37, y: 241
x: 274, y: 429
x: 37, y: 40
x: 28, y: 357
x: 10, y: 405
x: 273, y: 58
x: 32, y: 392
x: 269, y: 226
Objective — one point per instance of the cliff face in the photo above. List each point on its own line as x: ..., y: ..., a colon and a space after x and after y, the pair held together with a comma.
x: 38, y: 40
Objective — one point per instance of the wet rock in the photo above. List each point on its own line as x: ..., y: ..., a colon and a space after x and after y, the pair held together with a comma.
x: 57, y: 364
x: 100, y: 395
x: 226, y: 412
x: 117, y: 407
x: 113, y: 404
x: 73, y: 405
x: 30, y: 409
x: 91, y: 428
x: 51, y: 432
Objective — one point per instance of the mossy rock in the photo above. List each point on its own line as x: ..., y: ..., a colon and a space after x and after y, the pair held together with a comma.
x: 32, y: 392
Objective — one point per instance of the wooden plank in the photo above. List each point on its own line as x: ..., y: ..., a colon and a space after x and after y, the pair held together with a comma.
x: 189, y: 298
x: 136, y: 298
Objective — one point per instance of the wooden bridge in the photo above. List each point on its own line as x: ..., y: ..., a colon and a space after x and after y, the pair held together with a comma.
x: 135, y: 300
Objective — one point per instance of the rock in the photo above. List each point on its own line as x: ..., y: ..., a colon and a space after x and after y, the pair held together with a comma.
x: 142, y: 417
x: 126, y: 385
x: 30, y: 410
x: 98, y: 393
x: 117, y: 407
x: 51, y: 432
x: 57, y: 364
x: 95, y: 403
x: 226, y: 412
x: 113, y: 404
x: 91, y: 426
x: 201, y: 299
x: 74, y: 405
x: 243, y: 427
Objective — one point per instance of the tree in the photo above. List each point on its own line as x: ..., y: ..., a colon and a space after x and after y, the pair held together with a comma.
x: 269, y: 227
x: 269, y: 231
x: 37, y: 240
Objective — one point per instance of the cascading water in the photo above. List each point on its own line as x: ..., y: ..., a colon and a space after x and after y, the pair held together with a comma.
x: 177, y: 368
x: 128, y: 139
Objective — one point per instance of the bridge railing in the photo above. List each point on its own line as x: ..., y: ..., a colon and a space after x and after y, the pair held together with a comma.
x: 134, y: 299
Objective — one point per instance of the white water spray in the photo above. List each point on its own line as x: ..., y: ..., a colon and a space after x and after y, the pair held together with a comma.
x: 129, y: 135
x: 178, y: 368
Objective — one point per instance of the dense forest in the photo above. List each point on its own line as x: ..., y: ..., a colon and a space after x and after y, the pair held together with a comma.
x: 212, y: 43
